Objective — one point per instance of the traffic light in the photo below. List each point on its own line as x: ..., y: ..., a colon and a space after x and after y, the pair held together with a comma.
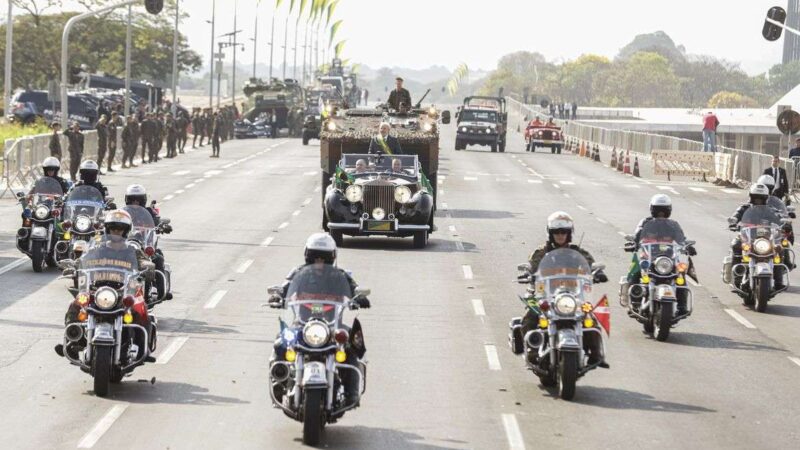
x: 154, y: 6
x: 772, y: 32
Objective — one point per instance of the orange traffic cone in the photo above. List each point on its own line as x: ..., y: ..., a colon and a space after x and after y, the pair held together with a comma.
x: 626, y: 169
x: 613, y: 163
x: 636, y: 167
x: 583, y: 150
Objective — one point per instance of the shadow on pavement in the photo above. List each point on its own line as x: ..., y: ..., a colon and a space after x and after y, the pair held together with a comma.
x: 702, y: 340
x: 783, y: 310
x: 405, y: 244
x: 167, y: 392
x: 20, y: 323
x: 481, y: 214
x: 612, y: 398
x: 189, y: 326
x: 348, y: 437
x: 193, y: 245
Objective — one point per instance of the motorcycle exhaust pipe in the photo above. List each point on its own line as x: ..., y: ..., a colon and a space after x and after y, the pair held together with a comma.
x: 279, y: 372
x: 739, y: 270
x: 637, y: 291
x: 62, y: 247
x: 73, y: 332
x: 23, y: 233
x: 534, y: 339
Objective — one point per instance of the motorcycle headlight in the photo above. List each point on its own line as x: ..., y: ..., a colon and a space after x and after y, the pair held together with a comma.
x: 41, y: 212
x: 402, y: 194
x: 83, y: 224
x: 463, y: 129
x: 316, y: 334
x: 105, y: 298
x: 762, y: 247
x: 354, y: 193
x: 378, y: 213
x: 427, y: 126
x: 663, y: 266
x: 565, y: 305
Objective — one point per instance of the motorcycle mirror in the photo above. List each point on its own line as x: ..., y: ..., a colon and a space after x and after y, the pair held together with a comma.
x: 526, y: 267
x: 598, y: 267
x: 732, y: 221
x: 690, y: 243
x: 109, y: 199
x: 363, y: 292
x: 274, y: 290
x: 68, y: 273
x: 19, y: 194
x: 629, y: 237
x: 66, y: 264
x: 165, y: 221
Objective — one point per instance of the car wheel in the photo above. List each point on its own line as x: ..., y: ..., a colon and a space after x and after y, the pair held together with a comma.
x: 494, y: 148
x: 421, y: 239
x: 338, y: 237
x: 502, y: 147
x: 459, y: 145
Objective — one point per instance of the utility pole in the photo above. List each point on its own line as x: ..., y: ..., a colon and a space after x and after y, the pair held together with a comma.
x: 9, y: 51
x: 305, y: 53
x: 175, y: 59
x: 222, y: 46
x: 233, y: 81
x: 271, y: 45
x: 294, y: 67
x: 211, y: 75
x: 285, y: 44
x: 255, y: 47
x: 128, y: 39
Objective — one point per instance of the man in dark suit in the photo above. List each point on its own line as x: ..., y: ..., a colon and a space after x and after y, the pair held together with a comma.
x: 399, y: 96
x: 795, y: 152
x: 384, y: 143
x: 779, y: 174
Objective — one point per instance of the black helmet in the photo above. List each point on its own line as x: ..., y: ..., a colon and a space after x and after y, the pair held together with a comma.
x: 89, y: 170
x: 136, y: 193
x: 660, y: 206
x: 320, y: 245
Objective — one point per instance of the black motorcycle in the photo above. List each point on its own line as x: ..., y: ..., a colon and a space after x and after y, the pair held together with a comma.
x: 83, y: 217
x: 40, y: 230
x: 144, y: 237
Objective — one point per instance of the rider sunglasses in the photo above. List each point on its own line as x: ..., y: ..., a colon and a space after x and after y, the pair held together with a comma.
x: 561, y: 231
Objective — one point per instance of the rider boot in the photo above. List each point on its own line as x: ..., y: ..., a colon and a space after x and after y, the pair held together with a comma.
x: 683, y: 298
x: 530, y: 321
x: 592, y: 343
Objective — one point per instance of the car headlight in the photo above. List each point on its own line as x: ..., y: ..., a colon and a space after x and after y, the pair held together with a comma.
x: 105, y: 298
x: 316, y: 334
x: 762, y: 247
x: 41, y: 212
x: 402, y: 194
x: 354, y: 193
x: 463, y: 129
x: 83, y: 224
x: 427, y: 126
x: 378, y: 214
x: 663, y: 265
x: 566, y: 305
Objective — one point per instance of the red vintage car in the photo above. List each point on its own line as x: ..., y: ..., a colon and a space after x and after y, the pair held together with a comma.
x: 538, y: 134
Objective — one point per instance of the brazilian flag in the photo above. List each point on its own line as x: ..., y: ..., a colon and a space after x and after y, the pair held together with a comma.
x: 635, y: 269
x: 426, y: 183
x: 343, y: 177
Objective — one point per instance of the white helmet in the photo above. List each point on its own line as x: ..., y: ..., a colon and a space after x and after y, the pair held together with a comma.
x: 89, y: 165
x: 767, y: 181
x: 137, y: 193
x: 320, y: 245
x: 759, y: 192
x: 660, y: 204
x: 118, y: 218
x: 560, y: 220
x: 51, y: 162
x: 89, y: 170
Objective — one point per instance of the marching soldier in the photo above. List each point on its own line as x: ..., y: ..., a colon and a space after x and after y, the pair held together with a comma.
x: 75, y: 149
x: 112, y: 139
x: 102, y: 141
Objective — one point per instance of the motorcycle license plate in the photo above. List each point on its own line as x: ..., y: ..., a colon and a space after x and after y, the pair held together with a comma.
x: 379, y: 225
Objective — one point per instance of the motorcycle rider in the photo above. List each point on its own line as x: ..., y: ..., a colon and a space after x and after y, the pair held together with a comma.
x: 50, y: 167
x: 136, y: 195
x: 560, y: 228
x: 769, y: 182
x: 88, y: 177
x: 759, y: 194
x: 320, y: 248
x: 660, y: 208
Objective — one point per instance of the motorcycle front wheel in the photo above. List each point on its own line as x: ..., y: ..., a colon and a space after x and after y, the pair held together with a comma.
x: 567, y: 375
x: 761, y: 293
x: 662, y: 320
x: 312, y: 416
x: 38, y: 256
x: 101, y: 368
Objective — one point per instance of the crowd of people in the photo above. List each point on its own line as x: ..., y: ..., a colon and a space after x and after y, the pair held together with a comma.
x: 146, y: 133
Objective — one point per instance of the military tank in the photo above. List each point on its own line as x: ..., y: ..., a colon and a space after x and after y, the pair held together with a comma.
x: 284, y: 99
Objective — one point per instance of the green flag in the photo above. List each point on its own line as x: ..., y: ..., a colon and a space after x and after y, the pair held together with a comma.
x: 635, y: 269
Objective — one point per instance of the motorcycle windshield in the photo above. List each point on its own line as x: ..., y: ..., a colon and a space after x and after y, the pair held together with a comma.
x: 318, y: 291
x: 778, y: 205
x: 110, y: 262
x: 759, y: 221
x: 563, y: 270
x: 144, y: 228
x: 659, y: 237
x: 47, y: 186
x: 84, y: 201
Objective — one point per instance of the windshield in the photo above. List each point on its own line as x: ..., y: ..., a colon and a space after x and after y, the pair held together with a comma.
x: 661, y: 231
x: 778, y: 205
x: 84, y: 200
x: 478, y: 116
x: 563, y: 270
x: 318, y: 291
x: 47, y: 186
x: 405, y: 165
x: 143, y: 229
x: 110, y: 262
x: 760, y: 221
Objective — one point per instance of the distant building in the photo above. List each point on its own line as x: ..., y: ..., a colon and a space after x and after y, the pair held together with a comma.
x: 791, y: 42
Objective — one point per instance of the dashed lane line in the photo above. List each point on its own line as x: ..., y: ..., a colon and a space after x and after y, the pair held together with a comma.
x: 732, y: 191
x: 181, y: 172
x: 189, y: 186
x: 621, y: 233
x: 467, y: 271
x: 582, y: 208
x: 492, y: 357
x: 318, y: 188
x: 283, y: 225
x: 513, y: 434
x: 215, y: 299
x: 244, y: 266
x: 567, y: 195
x: 452, y: 229
x: 794, y: 360
x: 307, y: 201
x: 567, y: 183
x: 171, y: 350
x: 309, y: 174
x: 603, y: 221
x: 13, y: 265
x: 535, y: 181
x: 556, y: 186
x: 179, y: 191
x: 103, y: 425
x: 168, y: 197
x: 470, y: 179
x: 633, y: 186
x: 697, y: 189
x: 477, y: 305
x: 267, y: 241
x: 739, y: 318
x: 296, y: 213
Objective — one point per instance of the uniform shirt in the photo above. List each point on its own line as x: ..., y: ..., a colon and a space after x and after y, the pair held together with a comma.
x: 399, y: 96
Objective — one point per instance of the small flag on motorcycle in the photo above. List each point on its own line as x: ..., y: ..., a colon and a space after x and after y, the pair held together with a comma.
x: 603, y: 314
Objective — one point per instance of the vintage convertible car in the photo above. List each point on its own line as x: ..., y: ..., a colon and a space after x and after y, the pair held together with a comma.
x: 250, y: 129
x: 543, y: 136
x: 389, y: 196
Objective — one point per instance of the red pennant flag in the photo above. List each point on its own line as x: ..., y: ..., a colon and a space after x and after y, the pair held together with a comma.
x: 603, y: 314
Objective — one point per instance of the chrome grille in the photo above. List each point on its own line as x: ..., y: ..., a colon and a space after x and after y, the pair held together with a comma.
x: 379, y: 194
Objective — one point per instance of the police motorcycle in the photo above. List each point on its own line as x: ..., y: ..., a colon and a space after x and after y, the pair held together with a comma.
x: 756, y: 269
x: 315, y: 353
x: 83, y: 212
x: 40, y: 230
x: 109, y: 331
x: 560, y: 298
x: 661, y: 298
x: 144, y: 236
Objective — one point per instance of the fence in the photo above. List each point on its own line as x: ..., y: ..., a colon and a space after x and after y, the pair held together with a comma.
x: 740, y: 166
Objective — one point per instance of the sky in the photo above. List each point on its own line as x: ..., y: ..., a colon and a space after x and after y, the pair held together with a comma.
x: 421, y: 33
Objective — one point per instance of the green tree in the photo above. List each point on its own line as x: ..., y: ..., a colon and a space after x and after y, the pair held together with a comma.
x: 726, y: 99
x: 517, y: 71
x: 645, y: 80
x: 784, y: 77
x: 580, y: 78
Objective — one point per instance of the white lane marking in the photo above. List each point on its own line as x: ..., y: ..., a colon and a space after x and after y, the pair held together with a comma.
x: 452, y: 228
x: 228, y: 166
x: 168, y: 197
x: 199, y: 180
x: 477, y: 305
x: 467, y: 272
x: 470, y: 179
x: 444, y: 206
x: 442, y: 177
x: 697, y: 189
x: 621, y: 233
x: 215, y: 299
x: 283, y: 225
x: 567, y: 195
x: 459, y: 246
x: 13, y: 265
x: 567, y: 183
x: 513, y: 434
x: 307, y: 201
x: 296, y: 213
x: 599, y: 184
x: 103, y: 425
x: 492, y: 357
x: 603, y: 221
x: 535, y: 181
x: 441, y: 191
x: 309, y: 174
x: 633, y: 186
x: 732, y: 191
x: 556, y: 186
x: 171, y: 349
x: 693, y: 283
x: 535, y: 173
x: 189, y: 186
x: 181, y: 172
x: 211, y: 173
x: 582, y: 208
x: 318, y: 188
x: 739, y: 318
x: 502, y: 180
x: 267, y: 241
x: 794, y: 360
x: 179, y: 191
x: 244, y: 266
x: 525, y: 165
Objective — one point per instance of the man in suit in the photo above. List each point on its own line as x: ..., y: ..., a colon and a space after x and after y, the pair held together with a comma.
x: 779, y: 174
x: 384, y: 143
x: 399, y: 96
x: 795, y: 152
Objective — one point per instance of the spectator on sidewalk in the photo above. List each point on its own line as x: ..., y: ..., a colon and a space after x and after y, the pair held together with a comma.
x: 75, y: 149
x: 102, y: 141
x: 574, y: 110
x: 795, y: 152
x: 113, y: 125
x: 710, y: 124
x: 55, y: 141
x: 779, y: 174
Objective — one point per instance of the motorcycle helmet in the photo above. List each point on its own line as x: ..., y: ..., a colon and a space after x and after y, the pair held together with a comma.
x: 89, y: 170
x: 118, y: 220
x: 660, y: 206
x: 320, y: 245
x: 51, y: 163
x: 560, y: 221
x: 136, y: 193
x: 767, y: 181
x: 758, y: 194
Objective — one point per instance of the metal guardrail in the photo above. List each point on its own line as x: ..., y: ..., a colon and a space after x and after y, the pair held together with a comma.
x: 747, y: 165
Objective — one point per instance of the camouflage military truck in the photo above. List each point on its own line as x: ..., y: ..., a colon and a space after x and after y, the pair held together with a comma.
x: 282, y: 98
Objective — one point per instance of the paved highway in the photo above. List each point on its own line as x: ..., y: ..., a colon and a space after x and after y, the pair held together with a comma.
x: 440, y: 372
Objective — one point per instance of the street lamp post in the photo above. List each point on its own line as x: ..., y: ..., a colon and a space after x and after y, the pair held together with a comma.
x: 285, y: 44
x: 175, y: 59
x: 211, y: 74
x: 233, y: 81
x: 271, y: 45
x: 9, y: 50
x: 255, y: 46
